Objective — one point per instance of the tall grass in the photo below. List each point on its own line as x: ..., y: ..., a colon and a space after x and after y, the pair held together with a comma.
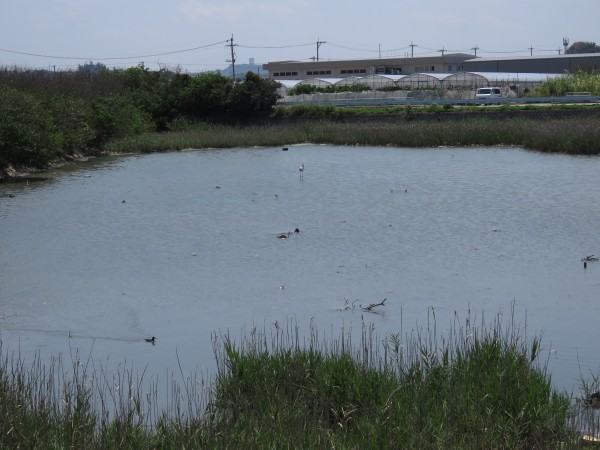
x: 479, y: 385
x: 564, y: 135
x: 577, y: 82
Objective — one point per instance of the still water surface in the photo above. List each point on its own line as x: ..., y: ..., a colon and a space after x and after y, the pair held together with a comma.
x: 182, y: 245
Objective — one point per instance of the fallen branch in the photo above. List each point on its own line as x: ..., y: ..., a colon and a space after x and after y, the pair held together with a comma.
x: 372, y: 306
x: 346, y: 306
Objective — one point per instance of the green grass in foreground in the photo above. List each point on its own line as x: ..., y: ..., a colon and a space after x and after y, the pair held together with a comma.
x: 474, y: 388
x: 567, y: 135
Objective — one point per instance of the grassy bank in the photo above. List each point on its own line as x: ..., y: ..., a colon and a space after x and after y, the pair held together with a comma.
x: 476, y: 387
x: 562, y: 135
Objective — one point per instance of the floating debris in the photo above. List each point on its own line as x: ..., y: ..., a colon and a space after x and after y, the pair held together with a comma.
x: 590, y: 258
x: 372, y: 306
x: 346, y: 306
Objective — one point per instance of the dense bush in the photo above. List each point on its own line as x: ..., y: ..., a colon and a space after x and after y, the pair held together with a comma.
x: 114, y: 117
x: 254, y: 96
x: 312, y: 89
x: 45, y: 115
x: 27, y: 131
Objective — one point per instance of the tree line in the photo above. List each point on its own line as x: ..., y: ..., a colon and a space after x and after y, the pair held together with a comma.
x: 47, y: 115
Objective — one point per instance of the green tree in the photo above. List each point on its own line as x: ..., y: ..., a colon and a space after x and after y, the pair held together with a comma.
x: 27, y: 135
x: 583, y: 47
x: 71, y: 122
x: 90, y: 67
x: 116, y: 117
x: 206, y: 95
x: 254, y: 96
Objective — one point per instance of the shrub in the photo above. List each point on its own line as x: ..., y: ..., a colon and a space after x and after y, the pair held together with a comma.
x: 115, y: 117
x: 27, y: 136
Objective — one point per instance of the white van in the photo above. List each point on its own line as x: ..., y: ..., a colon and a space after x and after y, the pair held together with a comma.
x: 488, y: 93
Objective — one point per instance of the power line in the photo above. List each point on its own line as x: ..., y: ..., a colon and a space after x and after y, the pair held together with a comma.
x: 229, y: 43
x: 366, y: 50
x: 276, y: 46
x: 114, y: 57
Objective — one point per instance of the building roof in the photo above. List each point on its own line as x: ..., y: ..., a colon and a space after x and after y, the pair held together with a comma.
x: 534, y: 57
x: 448, y: 57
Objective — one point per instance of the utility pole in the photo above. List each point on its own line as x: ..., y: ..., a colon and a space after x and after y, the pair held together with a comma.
x: 412, y: 47
x: 232, y: 60
x: 319, y: 42
x: 531, y: 51
x: 443, y: 50
x: 475, y: 50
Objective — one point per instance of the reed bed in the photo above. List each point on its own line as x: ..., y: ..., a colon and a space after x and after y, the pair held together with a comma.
x: 566, y: 135
x: 473, y: 385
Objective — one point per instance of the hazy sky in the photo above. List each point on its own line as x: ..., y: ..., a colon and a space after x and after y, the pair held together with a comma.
x: 192, y: 34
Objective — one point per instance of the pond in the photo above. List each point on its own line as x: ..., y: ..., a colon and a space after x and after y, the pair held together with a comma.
x: 95, y: 258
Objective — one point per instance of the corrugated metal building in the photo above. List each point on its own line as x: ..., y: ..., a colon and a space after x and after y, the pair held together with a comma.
x: 535, y: 64
x: 303, y: 70
x: 435, y: 65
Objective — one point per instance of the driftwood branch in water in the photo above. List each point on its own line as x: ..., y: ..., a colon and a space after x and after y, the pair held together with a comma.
x: 373, y: 305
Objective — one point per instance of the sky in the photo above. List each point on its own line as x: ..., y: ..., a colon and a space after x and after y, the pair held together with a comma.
x: 194, y: 35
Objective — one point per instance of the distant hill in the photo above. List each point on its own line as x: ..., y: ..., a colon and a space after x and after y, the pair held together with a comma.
x: 242, y: 69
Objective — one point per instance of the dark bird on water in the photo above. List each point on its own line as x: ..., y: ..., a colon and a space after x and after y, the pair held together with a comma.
x: 151, y: 340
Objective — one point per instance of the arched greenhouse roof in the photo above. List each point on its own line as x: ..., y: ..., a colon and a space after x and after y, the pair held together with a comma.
x: 379, y: 81
x: 423, y: 79
x: 465, y: 79
x: 286, y: 85
x: 321, y: 82
x: 349, y: 81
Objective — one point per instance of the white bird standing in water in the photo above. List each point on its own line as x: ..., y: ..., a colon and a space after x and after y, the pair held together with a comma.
x: 301, y: 169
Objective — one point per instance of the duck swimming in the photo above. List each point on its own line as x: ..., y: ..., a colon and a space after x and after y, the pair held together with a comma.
x: 151, y: 340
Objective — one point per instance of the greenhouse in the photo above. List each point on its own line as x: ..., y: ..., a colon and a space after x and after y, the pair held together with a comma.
x: 381, y: 81
x: 286, y: 85
x: 349, y: 81
x: 321, y: 82
x: 423, y: 80
x: 461, y: 80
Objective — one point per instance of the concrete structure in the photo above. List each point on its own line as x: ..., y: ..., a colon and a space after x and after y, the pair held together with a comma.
x: 446, y: 64
x: 299, y: 70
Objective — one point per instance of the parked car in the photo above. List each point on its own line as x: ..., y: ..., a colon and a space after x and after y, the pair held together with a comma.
x: 488, y: 93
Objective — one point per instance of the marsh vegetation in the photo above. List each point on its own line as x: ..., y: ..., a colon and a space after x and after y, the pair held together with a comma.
x: 477, y: 386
